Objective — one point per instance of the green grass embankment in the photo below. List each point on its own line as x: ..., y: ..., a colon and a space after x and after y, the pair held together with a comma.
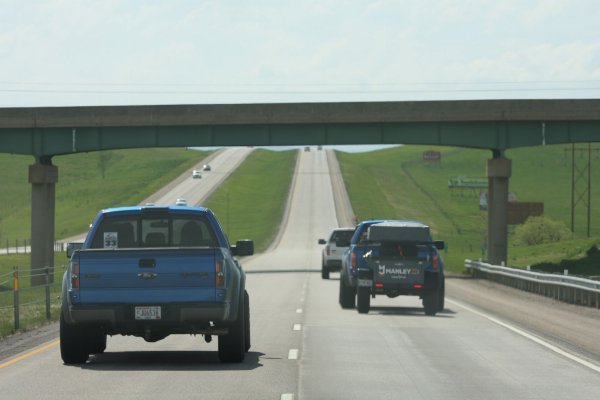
x: 83, y: 187
x: 395, y: 183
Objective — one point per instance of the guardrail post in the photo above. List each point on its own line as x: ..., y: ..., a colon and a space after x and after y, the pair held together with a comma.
x: 48, y: 316
x: 16, y: 296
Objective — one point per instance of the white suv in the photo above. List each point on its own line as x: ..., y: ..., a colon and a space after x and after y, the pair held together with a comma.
x: 332, y: 253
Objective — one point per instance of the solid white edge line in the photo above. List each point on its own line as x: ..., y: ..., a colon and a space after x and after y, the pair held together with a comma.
x: 293, y: 354
x: 533, y: 338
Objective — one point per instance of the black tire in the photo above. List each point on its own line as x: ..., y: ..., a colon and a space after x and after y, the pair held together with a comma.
x: 347, y: 295
x: 431, y: 301
x: 73, y: 346
x: 363, y: 300
x: 442, y: 294
x: 324, y: 272
x: 96, y: 342
x: 247, y: 319
x: 232, y: 346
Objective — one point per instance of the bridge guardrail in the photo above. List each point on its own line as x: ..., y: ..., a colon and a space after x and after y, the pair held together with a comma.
x: 565, y: 288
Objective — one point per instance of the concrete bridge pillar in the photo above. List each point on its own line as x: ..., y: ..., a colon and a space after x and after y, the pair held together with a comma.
x: 43, y: 178
x: 498, y: 172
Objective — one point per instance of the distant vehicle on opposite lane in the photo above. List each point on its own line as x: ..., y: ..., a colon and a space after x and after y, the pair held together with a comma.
x: 206, y: 167
x: 196, y: 174
x: 338, y: 242
x: 181, y: 202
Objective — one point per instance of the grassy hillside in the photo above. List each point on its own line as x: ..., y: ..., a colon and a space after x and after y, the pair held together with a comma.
x: 396, y: 183
x: 84, y: 186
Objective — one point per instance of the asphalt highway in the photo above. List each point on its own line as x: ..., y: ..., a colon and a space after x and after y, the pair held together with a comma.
x: 304, y: 346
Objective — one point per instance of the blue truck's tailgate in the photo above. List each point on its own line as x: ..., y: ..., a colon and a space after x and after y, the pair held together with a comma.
x: 147, y: 276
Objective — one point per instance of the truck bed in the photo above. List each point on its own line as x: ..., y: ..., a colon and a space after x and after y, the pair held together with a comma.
x: 146, y: 276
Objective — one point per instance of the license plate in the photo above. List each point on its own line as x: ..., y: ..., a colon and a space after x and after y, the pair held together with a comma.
x: 365, y: 283
x: 147, y: 312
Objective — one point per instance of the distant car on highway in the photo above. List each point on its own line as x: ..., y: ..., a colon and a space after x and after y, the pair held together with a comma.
x: 307, y: 148
x: 196, y: 174
x: 336, y: 245
x: 181, y: 202
x: 206, y: 167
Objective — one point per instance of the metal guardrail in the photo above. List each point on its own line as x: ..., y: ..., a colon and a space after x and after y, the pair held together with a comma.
x: 24, y: 247
x: 565, y: 288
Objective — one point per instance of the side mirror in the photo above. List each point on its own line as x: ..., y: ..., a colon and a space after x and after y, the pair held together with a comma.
x: 322, y: 241
x: 243, y: 248
x: 439, y: 244
x: 73, y: 247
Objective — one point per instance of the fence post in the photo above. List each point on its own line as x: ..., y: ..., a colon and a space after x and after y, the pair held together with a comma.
x: 48, y: 316
x: 16, y: 296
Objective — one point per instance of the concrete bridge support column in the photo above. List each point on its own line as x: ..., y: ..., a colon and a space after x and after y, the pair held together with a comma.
x: 498, y: 172
x: 43, y: 178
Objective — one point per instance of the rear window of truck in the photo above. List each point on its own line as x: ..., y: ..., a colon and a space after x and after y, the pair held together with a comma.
x: 148, y: 230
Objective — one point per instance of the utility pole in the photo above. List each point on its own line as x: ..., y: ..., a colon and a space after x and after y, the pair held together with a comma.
x: 581, y: 183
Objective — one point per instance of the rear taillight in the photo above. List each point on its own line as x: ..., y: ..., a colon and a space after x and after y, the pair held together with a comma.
x: 379, y: 285
x: 219, y: 275
x: 75, y: 274
x: 418, y: 286
x: 435, y: 262
x: 354, y: 263
x: 327, y: 249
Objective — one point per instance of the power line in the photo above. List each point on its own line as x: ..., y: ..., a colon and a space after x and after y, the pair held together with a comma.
x: 287, y: 92
x: 299, y: 84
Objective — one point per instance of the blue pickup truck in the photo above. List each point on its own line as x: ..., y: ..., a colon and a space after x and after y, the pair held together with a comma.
x: 392, y: 258
x: 151, y: 272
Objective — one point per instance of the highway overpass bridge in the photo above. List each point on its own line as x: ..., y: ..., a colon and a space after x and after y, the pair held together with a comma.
x: 497, y: 125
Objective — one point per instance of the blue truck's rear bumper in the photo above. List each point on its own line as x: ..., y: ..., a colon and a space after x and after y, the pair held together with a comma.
x: 176, y: 318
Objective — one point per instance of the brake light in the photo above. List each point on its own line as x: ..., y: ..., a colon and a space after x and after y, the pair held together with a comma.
x: 418, y: 286
x: 219, y: 275
x: 379, y: 285
x: 327, y: 249
x: 75, y: 274
x: 435, y: 262
x: 354, y: 263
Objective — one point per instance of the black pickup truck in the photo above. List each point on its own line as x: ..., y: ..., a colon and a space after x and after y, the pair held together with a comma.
x: 401, y: 259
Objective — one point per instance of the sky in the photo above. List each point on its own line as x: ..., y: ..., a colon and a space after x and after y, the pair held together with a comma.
x: 110, y: 52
